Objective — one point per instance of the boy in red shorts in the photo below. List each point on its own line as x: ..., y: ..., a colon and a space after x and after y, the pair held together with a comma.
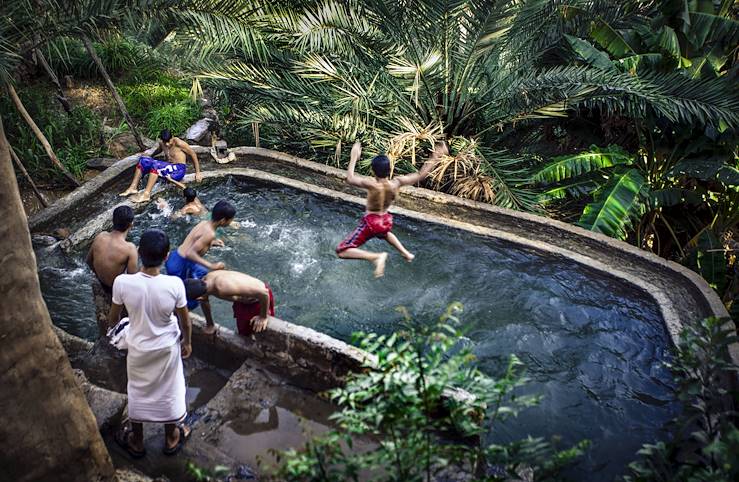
x: 253, y: 301
x: 381, y: 192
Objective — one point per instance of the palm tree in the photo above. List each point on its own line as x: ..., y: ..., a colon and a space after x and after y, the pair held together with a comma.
x: 401, y: 73
x: 48, y: 430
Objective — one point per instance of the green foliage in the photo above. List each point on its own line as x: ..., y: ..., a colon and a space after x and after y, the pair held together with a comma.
x: 705, y: 439
x: 163, y: 104
x: 421, y: 408
x: 177, y: 117
x: 74, y: 138
x: 200, y: 474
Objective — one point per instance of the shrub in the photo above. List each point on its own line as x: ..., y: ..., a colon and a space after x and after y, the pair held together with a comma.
x: 406, y: 400
x: 705, y: 439
x: 176, y: 117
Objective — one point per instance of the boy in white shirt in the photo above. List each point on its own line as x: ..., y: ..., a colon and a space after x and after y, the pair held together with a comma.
x: 157, y: 342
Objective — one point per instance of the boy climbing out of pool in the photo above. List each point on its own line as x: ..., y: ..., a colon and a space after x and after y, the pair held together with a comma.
x: 173, y: 167
x: 253, y: 301
x: 187, y: 260
x: 381, y: 192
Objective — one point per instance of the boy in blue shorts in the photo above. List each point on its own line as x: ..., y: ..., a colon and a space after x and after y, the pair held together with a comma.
x: 173, y: 167
x: 187, y: 260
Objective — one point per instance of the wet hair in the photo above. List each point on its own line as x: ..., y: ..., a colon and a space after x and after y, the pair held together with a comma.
x: 223, y: 210
x: 165, y: 135
x: 122, y: 218
x: 190, y: 194
x: 381, y: 166
x: 153, y: 247
x: 194, y: 288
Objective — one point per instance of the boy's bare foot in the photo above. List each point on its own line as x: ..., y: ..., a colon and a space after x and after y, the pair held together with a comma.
x: 129, y: 191
x: 410, y: 257
x: 380, y: 265
x: 210, y: 329
x: 141, y: 198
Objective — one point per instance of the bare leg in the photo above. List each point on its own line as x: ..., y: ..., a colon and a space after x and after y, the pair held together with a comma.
x: 134, y: 187
x: 146, y: 195
x: 210, y: 326
x: 378, y: 259
x: 172, y: 436
x: 136, y: 438
x: 395, y: 242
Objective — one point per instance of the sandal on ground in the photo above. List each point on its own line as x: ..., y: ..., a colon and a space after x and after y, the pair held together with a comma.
x: 181, y: 442
x: 122, y: 438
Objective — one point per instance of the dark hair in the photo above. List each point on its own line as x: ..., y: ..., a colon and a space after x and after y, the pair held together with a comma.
x: 165, y: 135
x: 194, y: 288
x: 190, y: 194
x: 122, y: 218
x: 223, y: 210
x: 381, y: 166
x: 153, y: 247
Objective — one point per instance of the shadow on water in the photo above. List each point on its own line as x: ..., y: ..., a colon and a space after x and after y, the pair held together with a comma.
x: 592, y: 345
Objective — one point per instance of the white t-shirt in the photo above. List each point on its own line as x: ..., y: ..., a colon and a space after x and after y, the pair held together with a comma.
x: 150, y: 302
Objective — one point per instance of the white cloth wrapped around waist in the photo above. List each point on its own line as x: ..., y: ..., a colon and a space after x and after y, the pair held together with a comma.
x: 156, y: 385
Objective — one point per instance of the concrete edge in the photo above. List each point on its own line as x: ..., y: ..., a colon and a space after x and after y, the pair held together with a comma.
x: 709, y: 294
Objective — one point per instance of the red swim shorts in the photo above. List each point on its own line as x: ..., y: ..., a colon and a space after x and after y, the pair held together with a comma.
x: 244, y: 312
x: 371, y: 226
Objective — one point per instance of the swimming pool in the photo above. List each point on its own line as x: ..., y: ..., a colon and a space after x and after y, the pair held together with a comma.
x: 592, y: 344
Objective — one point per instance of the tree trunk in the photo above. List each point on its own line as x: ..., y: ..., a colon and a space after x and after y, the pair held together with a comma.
x: 48, y: 431
x: 22, y: 168
x: 121, y: 106
x: 39, y: 135
x: 54, y: 80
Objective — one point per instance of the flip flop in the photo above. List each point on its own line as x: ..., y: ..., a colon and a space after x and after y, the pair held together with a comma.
x: 180, y: 443
x: 121, y: 438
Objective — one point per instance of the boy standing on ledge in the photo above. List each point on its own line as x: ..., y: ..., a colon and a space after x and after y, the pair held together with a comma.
x: 156, y: 378
x: 187, y: 261
x: 173, y: 167
x: 381, y: 192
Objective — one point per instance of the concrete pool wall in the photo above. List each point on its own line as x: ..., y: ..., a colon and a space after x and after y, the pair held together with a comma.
x: 681, y: 295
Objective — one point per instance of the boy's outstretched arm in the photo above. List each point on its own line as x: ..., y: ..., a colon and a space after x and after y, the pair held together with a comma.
x: 440, y: 149
x: 351, y: 178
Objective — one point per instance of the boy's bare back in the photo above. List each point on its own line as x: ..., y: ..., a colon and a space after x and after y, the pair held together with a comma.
x: 110, y: 256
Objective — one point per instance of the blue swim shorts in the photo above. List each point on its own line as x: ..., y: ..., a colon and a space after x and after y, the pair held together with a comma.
x: 161, y: 168
x: 183, y: 268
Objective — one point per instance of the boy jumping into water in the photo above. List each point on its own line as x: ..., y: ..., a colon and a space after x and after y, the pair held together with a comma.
x: 381, y: 192
x: 252, y: 299
x: 173, y: 167
x: 187, y: 260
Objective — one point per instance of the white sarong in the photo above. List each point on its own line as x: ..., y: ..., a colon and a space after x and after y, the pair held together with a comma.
x: 156, y: 385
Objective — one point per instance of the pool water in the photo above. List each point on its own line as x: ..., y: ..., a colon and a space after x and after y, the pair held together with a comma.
x: 592, y: 345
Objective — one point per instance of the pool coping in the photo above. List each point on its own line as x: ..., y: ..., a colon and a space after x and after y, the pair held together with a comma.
x: 670, y: 314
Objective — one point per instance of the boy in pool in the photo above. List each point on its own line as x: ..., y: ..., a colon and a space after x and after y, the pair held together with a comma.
x: 252, y: 299
x: 173, y: 167
x: 187, y: 260
x: 111, y: 255
x: 192, y: 205
x: 381, y: 192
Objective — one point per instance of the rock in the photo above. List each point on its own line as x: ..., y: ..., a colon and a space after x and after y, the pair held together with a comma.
x: 61, y: 233
x: 131, y: 475
x: 101, y: 163
x: 106, y: 405
x: 199, y: 131
x: 39, y: 240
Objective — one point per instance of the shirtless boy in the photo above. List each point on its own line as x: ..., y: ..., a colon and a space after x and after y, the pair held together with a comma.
x: 187, y: 260
x: 252, y: 299
x: 381, y: 192
x: 111, y: 255
x: 192, y: 205
x: 174, y: 166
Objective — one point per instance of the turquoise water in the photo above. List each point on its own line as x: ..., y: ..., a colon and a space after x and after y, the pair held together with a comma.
x: 592, y: 345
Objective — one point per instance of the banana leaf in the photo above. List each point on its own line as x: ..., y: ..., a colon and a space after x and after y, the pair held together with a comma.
x: 589, y: 54
x: 707, y: 169
x: 610, y: 39
x: 574, y: 165
x: 616, y: 204
x: 707, y: 258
